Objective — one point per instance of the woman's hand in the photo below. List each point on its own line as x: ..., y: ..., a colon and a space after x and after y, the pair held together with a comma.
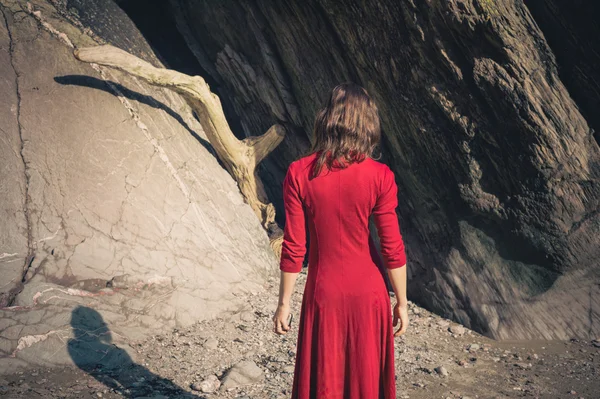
x: 280, y: 325
x: 400, y: 313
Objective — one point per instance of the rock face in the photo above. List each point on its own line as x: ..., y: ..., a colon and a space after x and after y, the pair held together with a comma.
x: 113, y: 204
x: 571, y: 31
x: 498, y: 170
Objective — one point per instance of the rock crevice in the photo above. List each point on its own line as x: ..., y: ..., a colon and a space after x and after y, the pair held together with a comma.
x: 29, y: 257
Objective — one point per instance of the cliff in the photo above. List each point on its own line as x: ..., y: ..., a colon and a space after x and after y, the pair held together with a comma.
x: 112, y: 197
x: 491, y: 143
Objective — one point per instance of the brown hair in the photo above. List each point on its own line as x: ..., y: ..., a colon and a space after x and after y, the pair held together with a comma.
x: 347, y: 129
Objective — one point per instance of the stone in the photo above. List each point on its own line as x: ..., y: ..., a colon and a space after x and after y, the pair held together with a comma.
x: 288, y: 369
x: 129, y: 213
x: 211, y: 343
x: 443, y: 323
x: 456, y: 329
x: 441, y: 370
x: 248, y: 316
x: 210, y: 384
x: 473, y: 347
x: 243, y: 373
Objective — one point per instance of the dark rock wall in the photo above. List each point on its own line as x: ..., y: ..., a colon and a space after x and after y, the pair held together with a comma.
x: 497, y: 168
x: 572, y: 30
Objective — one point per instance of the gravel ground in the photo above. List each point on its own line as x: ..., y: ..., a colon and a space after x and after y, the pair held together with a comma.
x: 242, y: 358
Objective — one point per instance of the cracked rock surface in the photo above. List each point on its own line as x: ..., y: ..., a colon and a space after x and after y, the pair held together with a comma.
x: 112, y: 200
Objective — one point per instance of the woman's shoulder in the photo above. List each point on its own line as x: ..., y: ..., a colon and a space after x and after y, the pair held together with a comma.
x: 381, y: 168
x: 306, y: 159
x: 302, y: 163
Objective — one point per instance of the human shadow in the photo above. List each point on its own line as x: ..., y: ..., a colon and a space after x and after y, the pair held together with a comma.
x: 92, y: 351
x: 99, y: 84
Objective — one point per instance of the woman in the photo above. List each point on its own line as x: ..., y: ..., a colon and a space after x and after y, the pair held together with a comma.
x: 345, y: 347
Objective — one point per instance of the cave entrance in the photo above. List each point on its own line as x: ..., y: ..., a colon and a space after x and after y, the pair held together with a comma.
x: 154, y: 20
x: 157, y: 24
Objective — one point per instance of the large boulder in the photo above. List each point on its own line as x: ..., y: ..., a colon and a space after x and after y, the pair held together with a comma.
x: 499, y: 172
x: 115, y: 211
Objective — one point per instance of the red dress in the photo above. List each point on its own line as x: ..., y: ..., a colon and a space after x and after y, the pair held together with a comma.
x: 345, y: 347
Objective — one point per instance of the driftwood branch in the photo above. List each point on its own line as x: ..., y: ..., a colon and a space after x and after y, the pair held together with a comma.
x: 240, y: 157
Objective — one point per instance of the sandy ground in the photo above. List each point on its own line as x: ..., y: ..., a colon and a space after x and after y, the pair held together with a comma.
x: 242, y: 358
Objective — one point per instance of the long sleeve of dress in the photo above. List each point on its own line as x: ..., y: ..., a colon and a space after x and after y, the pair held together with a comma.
x: 386, y: 221
x: 293, y: 248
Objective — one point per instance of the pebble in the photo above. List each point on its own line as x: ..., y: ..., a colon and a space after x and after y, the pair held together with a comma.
x: 248, y: 317
x: 473, y: 347
x: 441, y: 370
x: 211, y: 343
x: 457, y: 329
x: 210, y: 384
x: 243, y: 373
x: 288, y: 369
x: 204, y: 334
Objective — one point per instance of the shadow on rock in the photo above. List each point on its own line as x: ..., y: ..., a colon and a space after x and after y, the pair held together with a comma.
x: 94, y: 83
x: 92, y: 351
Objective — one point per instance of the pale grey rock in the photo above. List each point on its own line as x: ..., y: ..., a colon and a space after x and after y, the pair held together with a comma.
x: 443, y: 323
x: 248, y: 316
x: 288, y: 369
x: 457, y: 329
x: 243, y: 373
x: 14, y: 238
x: 211, y: 343
x: 129, y: 216
x: 210, y: 384
x: 205, y: 334
x: 473, y: 347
